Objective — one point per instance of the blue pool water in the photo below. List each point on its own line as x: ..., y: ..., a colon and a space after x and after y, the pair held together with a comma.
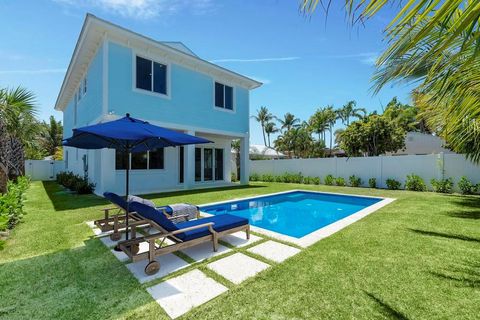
x: 295, y: 213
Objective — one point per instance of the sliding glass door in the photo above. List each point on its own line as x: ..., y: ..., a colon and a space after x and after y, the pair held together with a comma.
x: 207, y: 164
x: 218, y: 164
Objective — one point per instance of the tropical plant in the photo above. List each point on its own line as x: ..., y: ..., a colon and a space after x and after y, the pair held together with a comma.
x: 338, y: 135
x: 331, y: 117
x: 329, y: 180
x: 339, y: 181
x: 288, y: 122
x: 443, y: 185
x: 254, y: 177
x: 355, y: 181
x: 350, y: 110
x: 11, y: 203
x: 435, y: 44
x: 393, y: 184
x: 405, y: 116
x: 318, y: 123
x: 372, y: 136
x: 296, y: 142
x: 372, y: 182
x: 415, y: 183
x: 270, y: 129
x: 236, y: 148
x: 51, y: 136
x: 466, y: 186
x: 263, y: 117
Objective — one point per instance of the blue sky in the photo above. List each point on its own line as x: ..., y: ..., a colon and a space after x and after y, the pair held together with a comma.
x: 304, y: 62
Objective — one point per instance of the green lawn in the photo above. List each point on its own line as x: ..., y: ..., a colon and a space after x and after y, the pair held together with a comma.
x: 417, y: 258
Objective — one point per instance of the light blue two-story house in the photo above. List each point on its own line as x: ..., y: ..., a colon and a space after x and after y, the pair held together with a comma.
x: 114, y: 71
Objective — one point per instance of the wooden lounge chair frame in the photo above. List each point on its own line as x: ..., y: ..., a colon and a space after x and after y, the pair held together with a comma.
x: 130, y: 247
x: 116, y: 221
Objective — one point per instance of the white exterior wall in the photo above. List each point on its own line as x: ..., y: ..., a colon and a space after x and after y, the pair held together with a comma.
x: 381, y: 168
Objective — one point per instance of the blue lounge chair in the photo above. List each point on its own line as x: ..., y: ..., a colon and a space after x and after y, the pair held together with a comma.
x: 183, y: 234
x: 116, y: 221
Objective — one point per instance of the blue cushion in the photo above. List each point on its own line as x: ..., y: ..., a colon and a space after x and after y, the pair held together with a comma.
x: 116, y: 199
x: 154, y: 215
x: 221, y: 223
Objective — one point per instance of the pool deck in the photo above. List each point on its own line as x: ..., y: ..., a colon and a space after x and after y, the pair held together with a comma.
x: 316, y: 235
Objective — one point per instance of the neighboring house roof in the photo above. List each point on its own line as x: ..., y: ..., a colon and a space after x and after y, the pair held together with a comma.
x: 422, y: 143
x: 261, y: 150
x: 95, y: 31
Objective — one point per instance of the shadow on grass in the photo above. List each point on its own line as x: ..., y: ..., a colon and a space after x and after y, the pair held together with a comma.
x: 470, y: 203
x: 62, y: 199
x: 85, y: 282
x: 445, y: 235
x: 467, y: 275
x: 198, y: 191
x: 387, y: 309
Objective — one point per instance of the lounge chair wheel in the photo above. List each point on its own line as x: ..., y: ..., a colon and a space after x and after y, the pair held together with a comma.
x: 152, y: 268
x: 115, y: 236
x: 135, y: 248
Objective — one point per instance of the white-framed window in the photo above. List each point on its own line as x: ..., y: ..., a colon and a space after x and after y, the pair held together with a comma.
x: 150, y: 160
x: 209, y: 164
x: 85, y: 85
x: 223, y: 96
x: 79, y: 94
x: 151, y: 75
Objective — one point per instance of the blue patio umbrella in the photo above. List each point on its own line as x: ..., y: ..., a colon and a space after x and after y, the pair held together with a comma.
x: 129, y: 135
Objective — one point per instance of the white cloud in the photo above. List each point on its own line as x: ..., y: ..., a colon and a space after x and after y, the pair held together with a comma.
x: 256, y: 59
x: 143, y: 9
x: 37, y: 71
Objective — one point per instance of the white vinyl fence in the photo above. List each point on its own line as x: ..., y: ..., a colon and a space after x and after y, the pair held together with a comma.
x: 43, y: 170
x: 382, y: 167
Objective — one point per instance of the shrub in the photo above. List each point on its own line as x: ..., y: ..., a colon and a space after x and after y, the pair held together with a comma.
x: 415, y: 183
x: 466, y: 186
x: 393, y: 184
x: 84, y: 187
x: 11, y: 203
x: 254, y: 177
x: 316, y: 180
x: 442, y: 186
x: 233, y: 177
x: 372, y: 183
x: 355, y: 181
x: 292, y: 177
x: 307, y: 180
x: 329, y: 180
x: 267, y: 177
x: 279, y: 178
x: 340, y: 181
x: 75, y: 182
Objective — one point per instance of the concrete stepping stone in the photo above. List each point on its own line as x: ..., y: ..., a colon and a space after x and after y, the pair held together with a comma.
x: 274, y: 251
x: 179, y: 295
x: 168, y: 263
x: 204, y: 251
x: 238, y: 239
x: 109, y: 242
x: 237, y: 267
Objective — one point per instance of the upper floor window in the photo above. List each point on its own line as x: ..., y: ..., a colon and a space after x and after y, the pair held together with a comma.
x: 85, y: 85
x: 151, y: 75
x: 223, y: 96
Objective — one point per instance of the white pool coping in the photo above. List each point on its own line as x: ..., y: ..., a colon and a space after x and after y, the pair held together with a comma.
x: 316, y: 235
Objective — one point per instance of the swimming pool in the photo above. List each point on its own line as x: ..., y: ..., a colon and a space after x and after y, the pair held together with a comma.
x: 294, y: 215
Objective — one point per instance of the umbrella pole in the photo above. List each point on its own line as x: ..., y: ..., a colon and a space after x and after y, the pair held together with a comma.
x: 127, y: 178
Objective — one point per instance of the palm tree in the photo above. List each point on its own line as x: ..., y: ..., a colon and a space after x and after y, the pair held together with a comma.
x: 270, y: 129
x: 263, y: 117
x: 435, y: 44
x: 288, y: 122
x: 338, y: 135
x: 52, y: 135
x: 350, y: 110
x: 331, y: 117
x: 318, y: 123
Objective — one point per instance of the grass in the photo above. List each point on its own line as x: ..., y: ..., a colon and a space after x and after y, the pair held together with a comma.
x: 418, y: 257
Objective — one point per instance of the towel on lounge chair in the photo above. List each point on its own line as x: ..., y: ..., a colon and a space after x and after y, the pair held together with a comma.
x: 185, y: 212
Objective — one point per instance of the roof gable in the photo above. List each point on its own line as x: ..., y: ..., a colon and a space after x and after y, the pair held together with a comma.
x: 96, y: 31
